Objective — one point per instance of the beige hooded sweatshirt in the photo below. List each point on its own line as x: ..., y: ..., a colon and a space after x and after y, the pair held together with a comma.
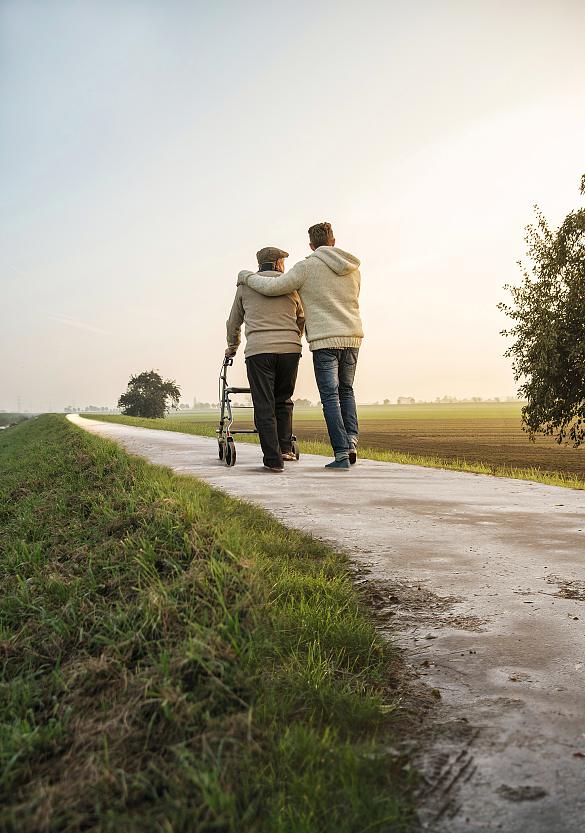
x: 328, y: 283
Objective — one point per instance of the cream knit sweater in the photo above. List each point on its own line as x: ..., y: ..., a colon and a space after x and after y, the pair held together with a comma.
x: 328, y: 283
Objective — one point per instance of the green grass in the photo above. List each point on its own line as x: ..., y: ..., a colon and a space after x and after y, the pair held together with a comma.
x: 537, y: 475
x: 424, y: 410
x: 176, y: 660
x: 201, y: 429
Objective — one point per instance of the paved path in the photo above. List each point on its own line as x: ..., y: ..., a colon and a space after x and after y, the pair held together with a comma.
x: 481, y: 580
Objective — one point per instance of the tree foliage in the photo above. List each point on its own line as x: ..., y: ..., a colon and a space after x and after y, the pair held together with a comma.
x: 146, y: 396
x: 549, y: 313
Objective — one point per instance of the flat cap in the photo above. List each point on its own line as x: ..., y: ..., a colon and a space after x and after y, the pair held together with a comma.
x: 270, y: 254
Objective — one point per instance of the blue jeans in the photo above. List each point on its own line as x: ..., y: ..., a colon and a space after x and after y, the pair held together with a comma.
x: 334, y: 374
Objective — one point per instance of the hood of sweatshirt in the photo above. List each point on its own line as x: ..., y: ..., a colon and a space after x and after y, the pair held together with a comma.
x: 342, y: 263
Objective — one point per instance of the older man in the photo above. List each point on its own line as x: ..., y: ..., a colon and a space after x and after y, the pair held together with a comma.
x: 328, y: 282
x: 273, y: 326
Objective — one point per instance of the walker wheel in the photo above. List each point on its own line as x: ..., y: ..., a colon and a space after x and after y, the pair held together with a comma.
x: 230, y: 453
x: 295, y: 449
x: 220, y: 447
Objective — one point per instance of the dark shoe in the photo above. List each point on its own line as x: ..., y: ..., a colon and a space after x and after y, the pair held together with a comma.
x: 352, y: 457
x: 338, y: 464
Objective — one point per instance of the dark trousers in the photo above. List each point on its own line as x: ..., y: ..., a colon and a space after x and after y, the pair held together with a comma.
x: 272, y: 378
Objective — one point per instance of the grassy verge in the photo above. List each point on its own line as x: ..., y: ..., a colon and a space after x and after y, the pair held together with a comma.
x: 208, y: 430
x: 201, y: 429
x: 176, y: 660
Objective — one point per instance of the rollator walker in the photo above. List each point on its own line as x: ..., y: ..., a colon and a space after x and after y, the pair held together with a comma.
x: 225, y: 440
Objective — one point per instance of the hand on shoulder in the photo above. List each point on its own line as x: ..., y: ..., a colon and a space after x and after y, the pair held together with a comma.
x: 243, y: 277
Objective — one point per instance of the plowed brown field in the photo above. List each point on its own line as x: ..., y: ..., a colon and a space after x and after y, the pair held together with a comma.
x: 497, y: 442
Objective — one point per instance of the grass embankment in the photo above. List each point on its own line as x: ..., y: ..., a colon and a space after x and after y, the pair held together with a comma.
x: 176, y: 660
x: 535, y: 473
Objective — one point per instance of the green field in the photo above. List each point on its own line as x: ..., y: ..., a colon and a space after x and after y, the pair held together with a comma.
x: 460, y: 410
x: 477, y: 433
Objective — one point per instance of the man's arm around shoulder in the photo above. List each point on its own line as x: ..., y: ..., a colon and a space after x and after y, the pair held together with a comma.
x: 300, y: 317
x: 283, y: 285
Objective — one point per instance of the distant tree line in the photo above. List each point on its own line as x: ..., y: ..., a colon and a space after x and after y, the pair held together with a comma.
x: 93, y: 409
x: 203, y: 406
x: 448, y: 400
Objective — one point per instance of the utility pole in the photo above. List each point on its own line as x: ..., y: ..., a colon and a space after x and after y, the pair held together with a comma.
x: 19, y: 403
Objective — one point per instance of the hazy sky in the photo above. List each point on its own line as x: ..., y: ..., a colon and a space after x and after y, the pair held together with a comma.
x: 149, y: 148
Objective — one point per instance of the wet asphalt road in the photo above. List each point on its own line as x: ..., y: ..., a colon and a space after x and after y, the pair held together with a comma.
x: 508, y: 659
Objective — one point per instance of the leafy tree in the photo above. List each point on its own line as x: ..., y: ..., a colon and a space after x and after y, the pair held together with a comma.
x: 549, y: 311
x: 146, y: 396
